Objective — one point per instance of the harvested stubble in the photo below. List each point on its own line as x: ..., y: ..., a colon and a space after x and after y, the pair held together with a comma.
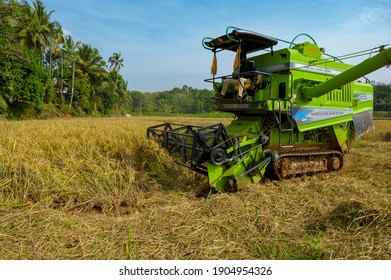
x: 97, y: 189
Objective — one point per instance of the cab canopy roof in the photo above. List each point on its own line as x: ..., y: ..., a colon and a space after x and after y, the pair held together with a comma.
x: 250, y: 41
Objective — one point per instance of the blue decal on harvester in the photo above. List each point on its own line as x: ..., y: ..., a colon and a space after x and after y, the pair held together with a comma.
x: 308, y: 115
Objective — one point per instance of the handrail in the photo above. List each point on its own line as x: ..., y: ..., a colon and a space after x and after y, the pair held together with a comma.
x: 227, y: 33
x: 203, y: 43
x: 211, y: 80
x: 302, y: 34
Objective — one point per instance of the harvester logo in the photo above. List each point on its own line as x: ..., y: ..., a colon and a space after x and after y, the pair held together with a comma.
x: 302, y: 117
x: 309, y: 115
x: 363, y: 97
x: 302, y: 67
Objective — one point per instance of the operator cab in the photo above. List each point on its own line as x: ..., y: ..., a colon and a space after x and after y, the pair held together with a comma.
x: 237, y: 91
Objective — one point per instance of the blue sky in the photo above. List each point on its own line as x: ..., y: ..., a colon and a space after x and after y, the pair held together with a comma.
x: 160, y: 41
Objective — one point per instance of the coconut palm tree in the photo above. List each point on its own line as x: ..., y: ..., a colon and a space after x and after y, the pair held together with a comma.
x: 37, y: 29
x: 54, y: 45
x: 90, y: 62
x: 92, y: 67
x: 69, y: 51
x: 116, y: 62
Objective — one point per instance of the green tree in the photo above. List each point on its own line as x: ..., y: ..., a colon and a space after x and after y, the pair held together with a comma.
x: 90, y: 66
x: 22, y: 78
x: 116, y: 62
x: 382, y: 96
x: 140, y: 102
x: 53, y: 51
x: 37, y: 61
x: 68, y: 59
x: 36, y: 28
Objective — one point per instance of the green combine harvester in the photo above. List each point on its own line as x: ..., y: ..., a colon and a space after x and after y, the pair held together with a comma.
x: 297, y: 110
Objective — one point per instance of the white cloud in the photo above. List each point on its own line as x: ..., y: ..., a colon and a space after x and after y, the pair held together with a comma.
x: 369, y: 17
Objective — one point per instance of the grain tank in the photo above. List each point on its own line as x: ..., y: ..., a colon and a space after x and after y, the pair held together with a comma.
x: 297, y: 111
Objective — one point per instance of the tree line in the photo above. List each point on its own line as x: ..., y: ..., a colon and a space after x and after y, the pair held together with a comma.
x: 185, y: 100
x: 42, y: 69
x: 382, y: 97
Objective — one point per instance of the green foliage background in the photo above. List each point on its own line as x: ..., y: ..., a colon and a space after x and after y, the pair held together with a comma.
x: 44, y: 73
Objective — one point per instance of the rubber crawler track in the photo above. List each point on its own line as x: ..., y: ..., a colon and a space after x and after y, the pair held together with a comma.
x: 286, y: 165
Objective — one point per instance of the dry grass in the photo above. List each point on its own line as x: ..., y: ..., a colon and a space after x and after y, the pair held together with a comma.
x: 97, y: 189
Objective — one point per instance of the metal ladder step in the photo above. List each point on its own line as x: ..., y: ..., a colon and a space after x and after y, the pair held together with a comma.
x: 278, y: 116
